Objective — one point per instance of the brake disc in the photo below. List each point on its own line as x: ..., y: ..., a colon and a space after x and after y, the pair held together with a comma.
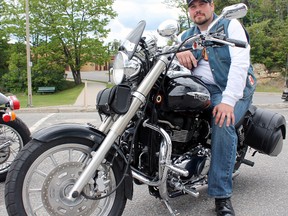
x: 56, y: 188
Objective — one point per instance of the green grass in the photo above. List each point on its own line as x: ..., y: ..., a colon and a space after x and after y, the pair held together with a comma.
x: 267, y: 88
x: 270, y: 85
x: 65, y: 97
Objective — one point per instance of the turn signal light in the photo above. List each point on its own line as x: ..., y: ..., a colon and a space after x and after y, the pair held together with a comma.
x: 13, y: 116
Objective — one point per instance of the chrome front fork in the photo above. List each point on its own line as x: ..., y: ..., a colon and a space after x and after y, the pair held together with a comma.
x: 118, y: 127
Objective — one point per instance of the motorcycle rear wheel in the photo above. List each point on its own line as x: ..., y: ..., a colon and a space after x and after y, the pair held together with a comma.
x: 13, y: 136
x: 41, y: 177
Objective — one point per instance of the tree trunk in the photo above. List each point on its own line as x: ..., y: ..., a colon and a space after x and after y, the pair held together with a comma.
x: 77, y: 76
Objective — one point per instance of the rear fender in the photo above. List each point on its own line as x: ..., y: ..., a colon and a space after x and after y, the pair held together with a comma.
x: 60, y: 131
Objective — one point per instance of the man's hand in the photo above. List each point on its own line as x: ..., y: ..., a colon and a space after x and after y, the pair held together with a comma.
x: 223, y: 111
x: 187, y: 59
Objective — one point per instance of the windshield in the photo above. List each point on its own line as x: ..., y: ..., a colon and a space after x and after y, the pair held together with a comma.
x: 131, y: 42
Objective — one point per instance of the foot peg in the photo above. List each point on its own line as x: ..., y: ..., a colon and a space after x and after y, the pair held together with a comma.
x: 248, y: 162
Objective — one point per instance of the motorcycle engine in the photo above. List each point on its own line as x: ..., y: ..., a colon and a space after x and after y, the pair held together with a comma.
x: 196, y: 162
x: 190, y: 134
x: 186, y: 130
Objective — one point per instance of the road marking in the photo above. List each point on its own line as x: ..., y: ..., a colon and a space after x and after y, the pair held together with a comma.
x: 38, y: 123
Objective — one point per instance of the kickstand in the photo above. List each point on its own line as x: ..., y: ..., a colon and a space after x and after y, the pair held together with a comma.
x: 173, y: 213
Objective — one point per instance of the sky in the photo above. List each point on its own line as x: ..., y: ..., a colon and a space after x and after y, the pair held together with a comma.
x: 130, y: 12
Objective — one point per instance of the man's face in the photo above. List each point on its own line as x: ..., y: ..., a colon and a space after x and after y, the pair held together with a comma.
x: 201, y: 12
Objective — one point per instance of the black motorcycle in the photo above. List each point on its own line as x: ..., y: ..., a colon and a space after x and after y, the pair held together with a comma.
x: 155, y: 130
x: 14, y: 133
x: 285, y: 95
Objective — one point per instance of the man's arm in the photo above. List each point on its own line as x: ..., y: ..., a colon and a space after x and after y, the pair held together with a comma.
x: 240, y: 62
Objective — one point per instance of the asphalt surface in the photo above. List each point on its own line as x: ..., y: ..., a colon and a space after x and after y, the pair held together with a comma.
x: 260, y: 191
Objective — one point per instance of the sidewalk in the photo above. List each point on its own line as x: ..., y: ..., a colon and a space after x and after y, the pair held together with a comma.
x: 87, y: 97
x: 86, y: 101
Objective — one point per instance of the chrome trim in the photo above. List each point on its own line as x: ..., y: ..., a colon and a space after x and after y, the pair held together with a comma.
x: 140, y: 96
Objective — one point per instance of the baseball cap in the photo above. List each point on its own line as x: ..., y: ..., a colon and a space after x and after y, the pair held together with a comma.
x: 190, y: 1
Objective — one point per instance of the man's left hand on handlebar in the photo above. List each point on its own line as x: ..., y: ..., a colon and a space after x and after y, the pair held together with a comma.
x: 187, y: 59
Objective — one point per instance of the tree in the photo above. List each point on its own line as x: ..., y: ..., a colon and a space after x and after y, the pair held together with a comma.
x: 269, y: 43
x: 4, y: 55
x: 76, y: 27
x: 184, y: 19
x: 16, y: 78
x: 267, y: 24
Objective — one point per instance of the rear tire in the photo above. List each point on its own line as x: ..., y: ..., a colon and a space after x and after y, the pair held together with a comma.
x: 241, y: 153
x: 42, y: 175
x: 17, y: 134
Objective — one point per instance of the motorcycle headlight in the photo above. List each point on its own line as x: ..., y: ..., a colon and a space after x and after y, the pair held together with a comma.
x: 120, y: 63
x: 125, y: 69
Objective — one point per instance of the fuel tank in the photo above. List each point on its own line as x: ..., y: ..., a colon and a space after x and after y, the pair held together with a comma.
x: 186, y: 93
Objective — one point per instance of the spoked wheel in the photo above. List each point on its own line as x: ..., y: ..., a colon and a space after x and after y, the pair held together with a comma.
x: 13, y: 136
x: 40, y: 180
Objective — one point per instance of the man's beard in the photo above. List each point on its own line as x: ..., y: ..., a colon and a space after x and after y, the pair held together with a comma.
x: 202, y: 22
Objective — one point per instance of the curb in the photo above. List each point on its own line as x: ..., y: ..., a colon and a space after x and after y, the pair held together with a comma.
x: 58, y: 109
x: 72, y: 108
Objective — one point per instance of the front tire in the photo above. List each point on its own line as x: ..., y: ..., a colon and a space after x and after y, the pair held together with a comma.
x: 13, y: 136
x: 43, y: 174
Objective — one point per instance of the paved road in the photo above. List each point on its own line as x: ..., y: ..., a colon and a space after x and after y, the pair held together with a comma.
x: 258, y: 191
x: 102, y: 76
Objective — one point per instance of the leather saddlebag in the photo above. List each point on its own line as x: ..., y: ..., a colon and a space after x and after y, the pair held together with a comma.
x: 115, y: 100
x: 265, y: 131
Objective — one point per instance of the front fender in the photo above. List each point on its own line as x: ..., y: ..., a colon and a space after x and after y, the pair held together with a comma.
x: 59, y: 131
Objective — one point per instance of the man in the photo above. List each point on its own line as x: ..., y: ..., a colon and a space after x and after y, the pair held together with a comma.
x: 229, y: 77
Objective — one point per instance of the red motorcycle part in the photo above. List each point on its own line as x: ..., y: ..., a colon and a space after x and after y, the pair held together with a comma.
x: 14, y: 102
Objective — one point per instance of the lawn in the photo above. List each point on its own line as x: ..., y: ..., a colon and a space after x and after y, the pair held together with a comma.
x: 65, y: 97
x: 270, y: 85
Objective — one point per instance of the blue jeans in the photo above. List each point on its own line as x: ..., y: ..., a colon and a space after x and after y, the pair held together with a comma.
x: 224, y: 146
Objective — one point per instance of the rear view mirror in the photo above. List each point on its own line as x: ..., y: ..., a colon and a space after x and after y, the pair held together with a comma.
x: 230, y: 12
x: 235, y: 11
x: 168, y: 28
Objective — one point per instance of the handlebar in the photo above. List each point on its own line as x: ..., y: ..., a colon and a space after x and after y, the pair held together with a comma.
x: 200, y: 39
x: 237, y: 43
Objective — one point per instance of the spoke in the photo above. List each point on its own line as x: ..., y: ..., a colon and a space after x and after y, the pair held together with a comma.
x: 53, y: 160
x: 5, y: 130
x: 14, y: 137
x: 70, y: 155
x: 35, y: 190
x: 37, y: 208
x: 41, y: 173
x: 14, y: 152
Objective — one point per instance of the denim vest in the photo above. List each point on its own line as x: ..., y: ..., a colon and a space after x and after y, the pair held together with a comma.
x: 219, y: 58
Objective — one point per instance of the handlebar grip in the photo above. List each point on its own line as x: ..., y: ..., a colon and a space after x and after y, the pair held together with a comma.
x: 237, y: 43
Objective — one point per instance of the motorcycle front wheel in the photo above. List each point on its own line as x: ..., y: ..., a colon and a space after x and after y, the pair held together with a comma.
x: 13, y: 136
x: 40, y: 179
